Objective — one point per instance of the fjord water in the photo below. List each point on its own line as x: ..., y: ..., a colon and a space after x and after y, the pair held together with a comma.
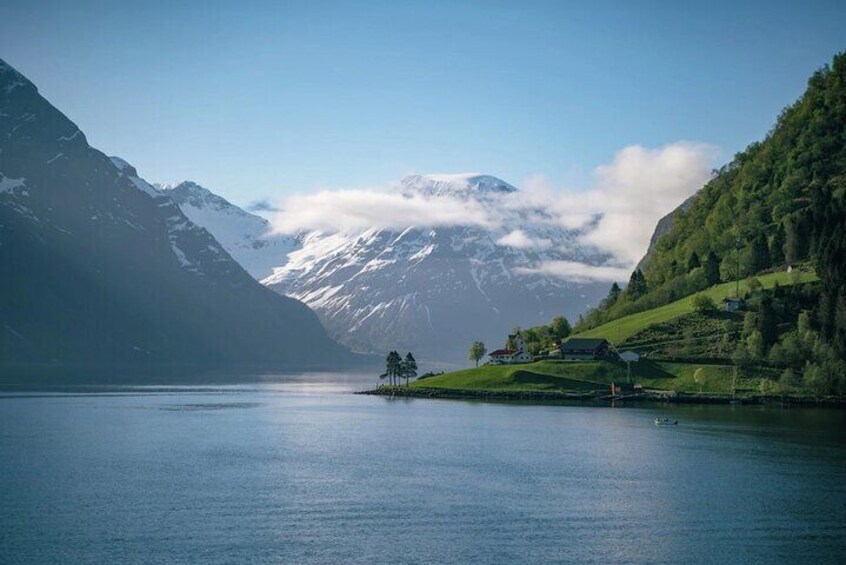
x: 298, y: 470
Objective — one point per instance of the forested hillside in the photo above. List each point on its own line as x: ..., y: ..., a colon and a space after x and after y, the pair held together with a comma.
x: 778, y: 203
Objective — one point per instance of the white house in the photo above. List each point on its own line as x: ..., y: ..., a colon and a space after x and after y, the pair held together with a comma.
x: 520, y: 353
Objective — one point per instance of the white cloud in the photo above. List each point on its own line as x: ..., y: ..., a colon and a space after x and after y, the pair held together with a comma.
x: 615, y: 215
x: 577, y: 272
x: 353, y: 210
x: 519, y: 240
x: 639, y: 187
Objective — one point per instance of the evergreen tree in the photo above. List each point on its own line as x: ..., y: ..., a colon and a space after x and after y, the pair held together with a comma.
x: 767, y: 324
x: 712, y: 269
x: 393, y: 366
x: 758, y: 255
x: 776, y: 246
x: 796, y: 238
x: 693, y: 262
x: 613, y: 295
x: 637, y: 285
x: 409, y: 367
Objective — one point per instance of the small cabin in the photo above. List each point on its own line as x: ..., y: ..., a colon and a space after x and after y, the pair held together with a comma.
x: 584, y: 348
x: 733, y: 304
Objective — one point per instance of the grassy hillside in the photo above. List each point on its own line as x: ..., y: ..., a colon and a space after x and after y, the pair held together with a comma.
x: 552, y: 375
x: 617, y: 331
x: 541, y: 375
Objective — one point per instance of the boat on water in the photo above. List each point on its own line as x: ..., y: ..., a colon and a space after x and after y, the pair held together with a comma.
x: 665, y: 422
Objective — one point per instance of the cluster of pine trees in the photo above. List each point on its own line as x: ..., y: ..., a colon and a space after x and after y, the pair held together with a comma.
x: 397, y: 368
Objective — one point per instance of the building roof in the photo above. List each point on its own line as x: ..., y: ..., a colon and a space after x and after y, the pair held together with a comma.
x: 502, y: 352
x: 581, y: 343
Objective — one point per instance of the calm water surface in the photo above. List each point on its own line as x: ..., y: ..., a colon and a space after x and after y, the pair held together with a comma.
x: 294, y: 471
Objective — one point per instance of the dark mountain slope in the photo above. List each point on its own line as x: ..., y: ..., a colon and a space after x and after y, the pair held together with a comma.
x: 99, y: 270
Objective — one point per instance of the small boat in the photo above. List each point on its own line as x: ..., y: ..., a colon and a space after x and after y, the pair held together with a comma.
x: 665, y: 422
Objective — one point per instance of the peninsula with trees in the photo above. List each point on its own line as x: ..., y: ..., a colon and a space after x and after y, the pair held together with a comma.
x: 741, y: 296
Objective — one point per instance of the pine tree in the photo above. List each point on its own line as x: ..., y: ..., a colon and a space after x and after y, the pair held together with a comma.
x: 712, y: 269
x: 776, y: 246
x: 637, y: 285
x: 767, y: 323
x: 393, y: 366
x: 409, y: 367
x: 758, y: 255
x: 693, y: 262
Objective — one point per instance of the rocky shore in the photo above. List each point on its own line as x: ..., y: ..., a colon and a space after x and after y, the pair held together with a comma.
x: 600, y: 396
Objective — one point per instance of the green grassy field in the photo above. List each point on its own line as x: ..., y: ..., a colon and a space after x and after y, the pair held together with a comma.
x: 621, y: 329
x: 551, y: 375
x: 541, y: 375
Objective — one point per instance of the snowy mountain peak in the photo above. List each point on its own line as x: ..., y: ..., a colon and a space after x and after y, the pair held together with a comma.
x: 129, y: 172
x: 189, y: 192
x: 457, y: 184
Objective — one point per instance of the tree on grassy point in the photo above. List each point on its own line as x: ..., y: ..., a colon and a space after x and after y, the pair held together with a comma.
x: 477, y: 351
x: 409, y: 367
x: 393, y: 366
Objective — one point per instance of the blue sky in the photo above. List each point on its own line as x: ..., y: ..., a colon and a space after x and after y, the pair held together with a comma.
x: 262, y: 99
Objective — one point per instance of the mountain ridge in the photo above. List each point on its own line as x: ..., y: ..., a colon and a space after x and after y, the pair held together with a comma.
x: 100, y: 269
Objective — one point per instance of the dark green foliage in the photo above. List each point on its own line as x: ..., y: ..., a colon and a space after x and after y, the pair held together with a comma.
x: 783, y: 197
x: 757, y: 255
x: 393, y: 367
x: 712, y: 269
x: 776, y: 246
x: 560, y: 327
x: 409, y: 367
x: 766, y: 323
x: 704, y: 304
x: 637, y: 286
x: 613, y: 295
x: 693, y: 262
x: 830, y: 218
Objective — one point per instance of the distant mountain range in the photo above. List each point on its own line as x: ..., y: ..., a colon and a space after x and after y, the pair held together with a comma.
x: 431, y: 291
x: 99, y: 268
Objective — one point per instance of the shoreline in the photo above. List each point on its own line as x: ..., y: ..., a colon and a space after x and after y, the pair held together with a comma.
x: 600, y: 397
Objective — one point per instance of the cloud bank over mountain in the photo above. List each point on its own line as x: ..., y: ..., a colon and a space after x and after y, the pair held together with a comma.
x: 615, y: 215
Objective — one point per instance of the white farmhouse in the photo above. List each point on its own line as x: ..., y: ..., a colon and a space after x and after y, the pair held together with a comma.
x: 520, y: 353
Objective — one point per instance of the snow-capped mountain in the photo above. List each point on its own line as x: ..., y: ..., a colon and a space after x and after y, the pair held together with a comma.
x: 246, y: 236
x: 435, y: 290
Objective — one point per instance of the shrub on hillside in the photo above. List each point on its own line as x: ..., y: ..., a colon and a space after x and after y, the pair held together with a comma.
x: 704, y: 304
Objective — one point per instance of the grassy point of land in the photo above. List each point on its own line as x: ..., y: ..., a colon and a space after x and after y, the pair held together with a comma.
x: 617, y: 331
x: 552, y: 375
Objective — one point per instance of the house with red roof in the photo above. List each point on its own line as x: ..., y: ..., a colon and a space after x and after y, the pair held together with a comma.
x: 520, y: 353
